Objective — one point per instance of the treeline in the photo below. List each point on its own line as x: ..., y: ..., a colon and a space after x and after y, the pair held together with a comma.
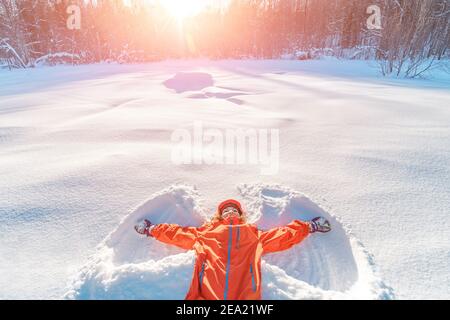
x: 414, y: 34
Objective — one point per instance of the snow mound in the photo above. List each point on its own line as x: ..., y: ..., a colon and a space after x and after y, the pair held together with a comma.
x: 331, y: 266
x: 128, y: 266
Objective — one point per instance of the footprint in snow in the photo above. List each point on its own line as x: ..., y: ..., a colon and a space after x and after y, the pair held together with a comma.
x: 198, y: 81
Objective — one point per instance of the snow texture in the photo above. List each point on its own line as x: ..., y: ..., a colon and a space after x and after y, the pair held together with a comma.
x: 80, y: 146
x: 129, y: 266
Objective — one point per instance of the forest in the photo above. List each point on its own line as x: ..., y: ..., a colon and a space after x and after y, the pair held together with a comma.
x: 413, y: 35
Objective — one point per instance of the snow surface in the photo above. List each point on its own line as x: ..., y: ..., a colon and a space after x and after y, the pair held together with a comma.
x: 129, y: 266
x: 81, y: 146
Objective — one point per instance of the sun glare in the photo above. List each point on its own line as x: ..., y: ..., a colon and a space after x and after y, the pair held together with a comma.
x: 182, y: 9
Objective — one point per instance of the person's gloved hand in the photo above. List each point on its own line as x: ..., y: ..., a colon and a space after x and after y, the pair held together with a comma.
x: 319, y: 224
x: 144, y: 227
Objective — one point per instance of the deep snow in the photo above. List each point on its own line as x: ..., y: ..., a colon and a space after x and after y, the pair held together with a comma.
x: 129, y: 266
x: 80, y: 147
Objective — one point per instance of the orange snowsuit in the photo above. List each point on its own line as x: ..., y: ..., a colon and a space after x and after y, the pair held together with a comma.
x: 228, y: 263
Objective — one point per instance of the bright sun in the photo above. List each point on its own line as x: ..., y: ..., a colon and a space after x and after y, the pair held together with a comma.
x: 182, y: 9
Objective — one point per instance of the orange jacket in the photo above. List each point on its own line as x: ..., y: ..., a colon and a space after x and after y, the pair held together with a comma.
x: 228, y: 263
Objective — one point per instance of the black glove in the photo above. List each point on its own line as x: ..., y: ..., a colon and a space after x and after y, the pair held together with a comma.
x: 319, y: 224
x: 144, y: 227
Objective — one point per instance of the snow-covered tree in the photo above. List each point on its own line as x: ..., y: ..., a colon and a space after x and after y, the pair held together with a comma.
x: 414, y: 33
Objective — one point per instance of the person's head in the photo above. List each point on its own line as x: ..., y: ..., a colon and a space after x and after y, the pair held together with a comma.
x: 228, y: 208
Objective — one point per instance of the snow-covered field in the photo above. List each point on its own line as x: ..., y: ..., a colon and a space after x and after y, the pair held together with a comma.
x: 82, y: 147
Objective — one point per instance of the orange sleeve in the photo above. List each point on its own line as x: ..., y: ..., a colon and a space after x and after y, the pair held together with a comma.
x: 283, y: 238
x: 183, y: 237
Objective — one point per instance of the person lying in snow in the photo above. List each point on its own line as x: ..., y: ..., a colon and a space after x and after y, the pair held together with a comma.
x: 229, y: 250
